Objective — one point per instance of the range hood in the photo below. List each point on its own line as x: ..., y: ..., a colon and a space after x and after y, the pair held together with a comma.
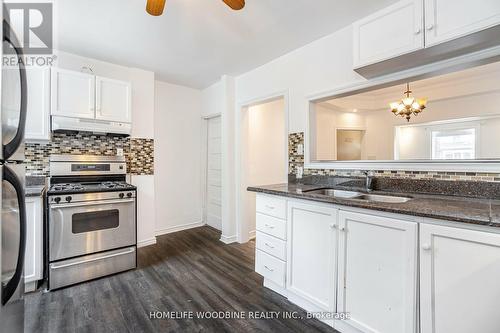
x: 90, y: 125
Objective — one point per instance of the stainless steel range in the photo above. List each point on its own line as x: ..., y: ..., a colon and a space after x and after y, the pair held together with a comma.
x: 91, y: 219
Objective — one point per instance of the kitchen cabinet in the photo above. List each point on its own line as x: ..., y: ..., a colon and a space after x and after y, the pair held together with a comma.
x: 33, y: 266
x: 73, y: 94
x: 377, y: 282
x: 312, y: 255
x: 393, y: 31
x: 270, y: 242
x: 38, y: 112
x: 445, y: 20
x: 413, y: 33
x: 459, y: 274
x: 113, y: 100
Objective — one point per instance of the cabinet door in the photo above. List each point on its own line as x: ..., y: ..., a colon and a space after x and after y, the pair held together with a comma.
x: 391, y: 32
x: 459, y: 274
x: 113, y: 100
x: 312, y: 253
x: 447, y: 19
x: 33, y: 266
x: 37, y: 121
x: 73, y: 94
x: 377, y: 273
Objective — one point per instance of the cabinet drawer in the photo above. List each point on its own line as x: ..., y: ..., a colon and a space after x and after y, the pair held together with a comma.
x: 271, y: 245
x: 270, y: 267
x: 273, y: 206
x: 271, y: 226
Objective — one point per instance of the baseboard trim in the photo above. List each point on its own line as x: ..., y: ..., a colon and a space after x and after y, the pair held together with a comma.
x: 228, y: 239
x: 251, y: 235
x: 179, y: 228
x: 147, y: 242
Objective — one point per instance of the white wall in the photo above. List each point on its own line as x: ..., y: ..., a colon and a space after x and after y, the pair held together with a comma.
x: 178, y: 158
x: 143, y: 96
x: 265, y: 154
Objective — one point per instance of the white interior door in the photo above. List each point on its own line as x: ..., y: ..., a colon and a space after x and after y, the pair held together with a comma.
x: 214, y: 188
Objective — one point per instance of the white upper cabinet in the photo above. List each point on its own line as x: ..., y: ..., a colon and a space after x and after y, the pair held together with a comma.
x: 312, y: 254
x: 38, y: 115
x: 393, y: 31
x: 113, y: 100
x: 377, y: 281
x: 459, y: 274
x: 73, y: 94
x: 449, y: 19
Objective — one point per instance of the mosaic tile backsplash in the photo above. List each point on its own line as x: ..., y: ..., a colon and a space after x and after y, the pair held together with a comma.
x: 296, y: 160
x: 138, y: 152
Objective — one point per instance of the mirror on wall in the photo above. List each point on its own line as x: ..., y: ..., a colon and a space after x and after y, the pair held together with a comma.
x: 453, y: 116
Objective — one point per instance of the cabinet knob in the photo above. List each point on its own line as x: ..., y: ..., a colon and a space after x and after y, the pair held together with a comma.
x: 426, y: 247
x: 333, y: 226
x: 342, y: 229
x: 418, y: 31
x: 430, y: 27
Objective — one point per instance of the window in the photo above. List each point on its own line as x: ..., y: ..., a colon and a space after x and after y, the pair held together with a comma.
x: 454, y: 144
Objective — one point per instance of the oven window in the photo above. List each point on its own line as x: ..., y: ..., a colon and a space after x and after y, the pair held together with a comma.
x: 95, y: 221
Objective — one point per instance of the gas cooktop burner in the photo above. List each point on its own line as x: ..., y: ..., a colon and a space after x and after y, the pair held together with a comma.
x: 90, y: 187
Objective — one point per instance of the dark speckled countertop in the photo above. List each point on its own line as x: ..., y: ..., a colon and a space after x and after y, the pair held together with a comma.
x: 35, y: 186
x: 459, y: 209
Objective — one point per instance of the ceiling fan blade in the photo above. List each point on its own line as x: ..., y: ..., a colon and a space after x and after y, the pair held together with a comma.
x: 235, y: 4
x: 155, y: 7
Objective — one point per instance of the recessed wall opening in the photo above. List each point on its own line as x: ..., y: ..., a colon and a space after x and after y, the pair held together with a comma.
x: 263, y: 154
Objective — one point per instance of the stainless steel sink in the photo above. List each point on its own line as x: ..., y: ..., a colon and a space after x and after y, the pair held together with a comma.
x: 359, y: 196
x: 336, y: 193
x: 383, y: 198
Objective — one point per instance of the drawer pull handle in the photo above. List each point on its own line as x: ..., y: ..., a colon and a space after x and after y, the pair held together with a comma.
x: 269, y: 226
x: 269, y: 269
x: 269, y: 207
x: 269, y: 245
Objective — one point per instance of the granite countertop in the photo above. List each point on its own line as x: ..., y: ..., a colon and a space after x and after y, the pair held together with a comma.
x: 459, y: 209
x: 35, y: 186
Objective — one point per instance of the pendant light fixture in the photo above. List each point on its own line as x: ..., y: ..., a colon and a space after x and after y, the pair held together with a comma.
x: 409, y: 105
x: 156, y: 7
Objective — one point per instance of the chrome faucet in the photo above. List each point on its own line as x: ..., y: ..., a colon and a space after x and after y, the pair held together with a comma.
x: 370, y: 175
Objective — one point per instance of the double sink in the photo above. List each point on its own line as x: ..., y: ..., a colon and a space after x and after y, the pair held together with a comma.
x: 359, y: 196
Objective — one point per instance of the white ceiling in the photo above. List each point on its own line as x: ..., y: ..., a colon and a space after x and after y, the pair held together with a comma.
x: 197, y: 41
x: 472, y: 81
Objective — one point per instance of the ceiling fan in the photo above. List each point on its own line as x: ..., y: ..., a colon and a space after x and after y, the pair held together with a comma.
x: 156, y: 7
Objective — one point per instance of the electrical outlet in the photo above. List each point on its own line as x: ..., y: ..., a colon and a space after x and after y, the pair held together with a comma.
x: 300, y: 149
x: 119, y: 151
x: 300, y: 172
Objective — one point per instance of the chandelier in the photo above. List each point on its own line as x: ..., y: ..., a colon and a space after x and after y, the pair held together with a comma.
x: 409, y: 105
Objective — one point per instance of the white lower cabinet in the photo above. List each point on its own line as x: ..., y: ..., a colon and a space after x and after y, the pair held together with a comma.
x: 384, y: 271
x: 459, y: 280
x: 33, y: 266
x: 377, y: 282
x: 312, y: 253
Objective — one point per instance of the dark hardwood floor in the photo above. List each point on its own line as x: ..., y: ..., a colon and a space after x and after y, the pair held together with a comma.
x: 185, y: 271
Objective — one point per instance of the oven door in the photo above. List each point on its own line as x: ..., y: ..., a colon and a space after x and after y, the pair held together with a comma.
x: 83, y: 228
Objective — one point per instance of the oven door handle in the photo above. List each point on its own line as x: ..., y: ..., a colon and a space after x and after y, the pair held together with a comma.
x: 55, y: 266
x: 90, y: 203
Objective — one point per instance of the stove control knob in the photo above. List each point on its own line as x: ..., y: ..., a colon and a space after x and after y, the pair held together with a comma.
x: 68, y: 199
x: 121, y: 195
x: 57, y: 200
x: 129, y: 194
